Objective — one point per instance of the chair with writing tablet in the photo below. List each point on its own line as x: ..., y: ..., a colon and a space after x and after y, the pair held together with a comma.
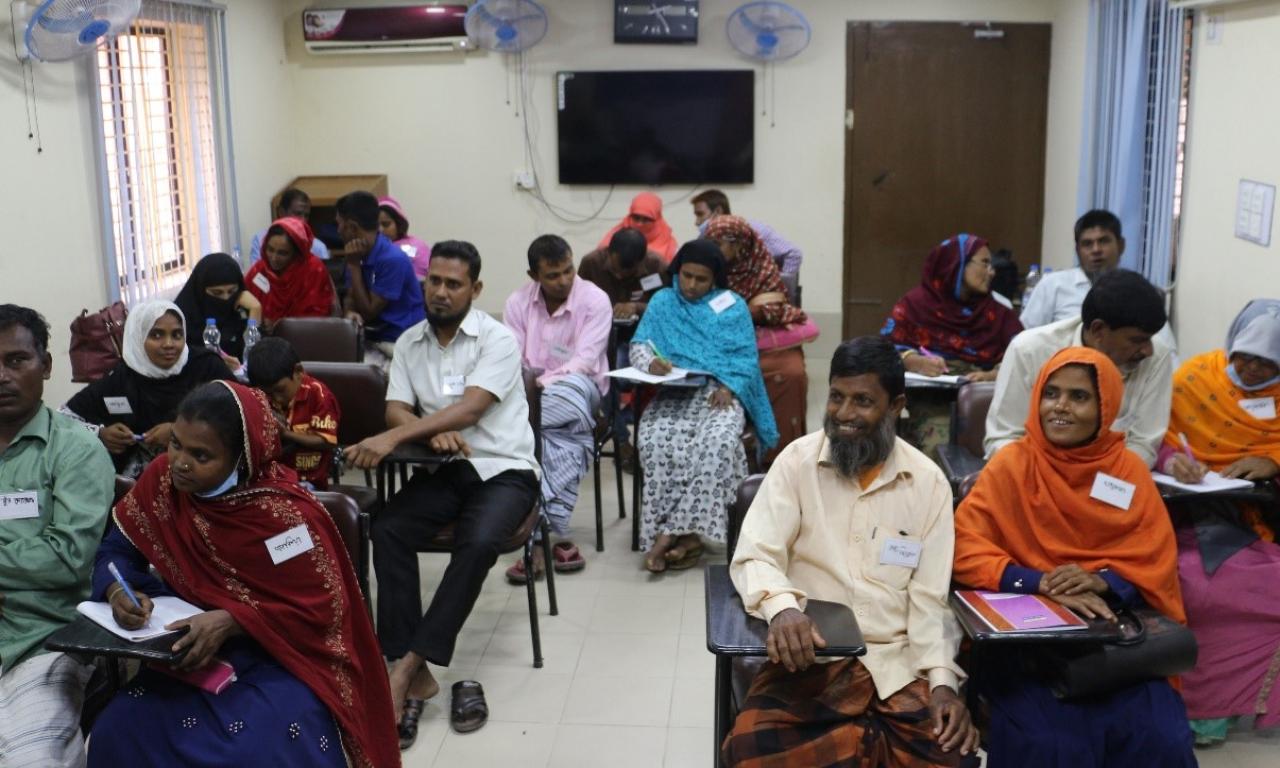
x: 962, y: 457
x: 322, y: 339
x: 602, y: 436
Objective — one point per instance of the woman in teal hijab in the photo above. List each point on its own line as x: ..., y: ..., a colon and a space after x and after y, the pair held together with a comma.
x: 690, y: 436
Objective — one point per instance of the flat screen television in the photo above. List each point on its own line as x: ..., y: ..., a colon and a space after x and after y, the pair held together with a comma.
x: 656, y: 127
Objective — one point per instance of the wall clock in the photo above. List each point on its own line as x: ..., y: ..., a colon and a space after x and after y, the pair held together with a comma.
x: 672, y: 21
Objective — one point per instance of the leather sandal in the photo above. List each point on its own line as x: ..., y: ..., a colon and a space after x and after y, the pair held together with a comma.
x: 408, y: 726
x: 567, y: 558
x: 517, y: 575
x: 468, y: 711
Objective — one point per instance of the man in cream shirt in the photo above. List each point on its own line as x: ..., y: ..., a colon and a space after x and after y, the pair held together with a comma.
x: 853, y: 515
x: 1120, y: 316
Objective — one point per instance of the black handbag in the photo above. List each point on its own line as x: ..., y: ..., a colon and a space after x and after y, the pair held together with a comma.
x: 1153, y: 647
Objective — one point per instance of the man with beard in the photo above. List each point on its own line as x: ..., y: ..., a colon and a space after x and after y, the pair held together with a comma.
x: 1120, y: 318
x: 562, y: 324
x: 854, y: 515
x: 55, y: 494
x: 459, y: 369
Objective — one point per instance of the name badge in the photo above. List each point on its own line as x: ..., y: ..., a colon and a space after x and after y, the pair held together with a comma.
x: 262, y: 282
x: 637, y: 296
x: 1260, y: 408
x: 117, y: 406
x: 454, y: 386
x: 902, y: 552
x: 290, y: 544
x: 410, y: 250
x: 651, y: 282
x: 1112, y: 490
x: 561, y: 352
x: 19, y: 505
x: 722, y: 302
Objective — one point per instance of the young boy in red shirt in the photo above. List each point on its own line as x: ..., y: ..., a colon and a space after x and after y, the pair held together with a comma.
x: 306, y: 410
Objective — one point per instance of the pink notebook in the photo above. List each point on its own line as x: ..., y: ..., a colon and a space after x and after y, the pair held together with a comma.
x: 213, y: 677
x: 1010, y: 612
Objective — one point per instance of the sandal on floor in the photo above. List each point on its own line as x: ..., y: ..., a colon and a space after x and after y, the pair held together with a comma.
x: 567, y: 558
x: 408, y: 727
x: 655, y: 563
x: 689, y: 559
x: 468, y: 711
x: 516, y: 573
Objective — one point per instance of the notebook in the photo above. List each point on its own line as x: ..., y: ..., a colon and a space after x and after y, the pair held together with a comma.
x: 1212, y: 482
x: 631, y: 373
x: 943, y: 379
x: 1011, y: 612
x: 165, y: 610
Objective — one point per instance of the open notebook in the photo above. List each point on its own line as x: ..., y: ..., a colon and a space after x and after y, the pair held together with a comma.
x: 631, y: 373
x: 165, y: 611
x: 1212, y: 482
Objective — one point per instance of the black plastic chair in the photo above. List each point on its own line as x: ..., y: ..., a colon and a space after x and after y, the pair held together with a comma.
x: 609, y: 408
x: 323, y: 339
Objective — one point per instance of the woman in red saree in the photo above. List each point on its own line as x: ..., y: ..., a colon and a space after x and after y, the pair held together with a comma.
x: 228, y: 529
x: 289, y: 280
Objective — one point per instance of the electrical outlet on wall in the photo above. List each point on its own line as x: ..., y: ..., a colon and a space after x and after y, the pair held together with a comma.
x: 524, y: 180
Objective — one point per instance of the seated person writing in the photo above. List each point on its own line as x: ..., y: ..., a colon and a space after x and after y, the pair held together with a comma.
x: 132, y: 407
x: 949, y: 323
x: 781, y: 329
x: 383, y: 293
x: 1034, y: 524
x: 1121, y: 314
x: 55, y: 492
x: 310, y: 688
x: 1224, y: 404
x: 290, y: 281
x: 305, y: 410
x: 215, y: 292
x: 461, y: 371
x: 853, y: 515
x: 294, y: 204
x: 690, y: 437
x: 626, y: 271
x: 562, y: 325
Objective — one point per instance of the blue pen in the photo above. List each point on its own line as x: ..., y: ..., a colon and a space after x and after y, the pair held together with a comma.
x: 115, y: 574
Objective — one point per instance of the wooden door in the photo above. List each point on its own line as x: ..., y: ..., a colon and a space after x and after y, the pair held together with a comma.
x: 948, y: 135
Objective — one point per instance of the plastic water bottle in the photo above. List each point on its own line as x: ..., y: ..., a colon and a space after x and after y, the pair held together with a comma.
x: 212, y: 336
x: 252, y: 335
x: 1033, y: 279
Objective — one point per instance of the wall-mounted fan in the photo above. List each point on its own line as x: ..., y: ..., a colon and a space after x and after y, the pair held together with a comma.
x: 58, y: 30
x: 506, y: 26
x: 768, y: 31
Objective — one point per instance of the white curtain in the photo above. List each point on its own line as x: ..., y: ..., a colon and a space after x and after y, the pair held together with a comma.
x: 1129, y: 157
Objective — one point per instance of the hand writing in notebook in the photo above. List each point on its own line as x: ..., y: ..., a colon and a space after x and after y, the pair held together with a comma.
x: 127, y: 614
x: 206, y: 633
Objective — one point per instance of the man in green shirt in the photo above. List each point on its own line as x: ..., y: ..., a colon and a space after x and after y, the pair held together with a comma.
x: 56, y: 483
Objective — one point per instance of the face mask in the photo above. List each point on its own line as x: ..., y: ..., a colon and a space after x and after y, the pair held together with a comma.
x: 227, y: 485
x: 1235, y: 379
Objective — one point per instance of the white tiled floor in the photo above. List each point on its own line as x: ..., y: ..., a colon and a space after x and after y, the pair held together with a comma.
x: 627, y: 679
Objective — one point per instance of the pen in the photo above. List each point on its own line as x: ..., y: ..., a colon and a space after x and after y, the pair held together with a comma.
x: 115, y: 574
x: 656, y: 353
x: 927, y: 353
x: 1186, y: 448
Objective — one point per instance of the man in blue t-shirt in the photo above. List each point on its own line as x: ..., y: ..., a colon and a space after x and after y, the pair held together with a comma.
x: 383, y: 294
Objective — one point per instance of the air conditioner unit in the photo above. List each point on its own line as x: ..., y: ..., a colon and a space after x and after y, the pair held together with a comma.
x: 1179, y: 5
x: 417, y: 28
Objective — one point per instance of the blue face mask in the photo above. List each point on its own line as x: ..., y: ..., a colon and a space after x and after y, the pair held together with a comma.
x: 1235, y: 379
x: 227, y: 485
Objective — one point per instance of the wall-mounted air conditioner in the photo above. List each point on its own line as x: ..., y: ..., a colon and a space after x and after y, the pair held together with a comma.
x: 1177, y: 5
x: 418, y: 28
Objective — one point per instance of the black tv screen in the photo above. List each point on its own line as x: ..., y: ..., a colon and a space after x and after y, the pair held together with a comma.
x: 656, y: 127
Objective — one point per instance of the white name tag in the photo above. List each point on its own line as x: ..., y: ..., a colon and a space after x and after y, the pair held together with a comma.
x: 262, y: 282
x: 1112, y: 490
x: 1261, y: 408
x: 902, y: 552
x: 651, y: 282
x: 454, y: 386
x: 290, y: 544
x: 722, y: 302
x: 117, y: 406
x: 19, y: 505
x: 637, y: 295
x: 561, y: 352
x: 410, y: 250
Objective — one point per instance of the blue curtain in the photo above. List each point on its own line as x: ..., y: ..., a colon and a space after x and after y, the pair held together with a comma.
x: 1133, y: 85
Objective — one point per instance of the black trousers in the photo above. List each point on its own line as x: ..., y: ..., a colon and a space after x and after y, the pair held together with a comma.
x: 486, y: 512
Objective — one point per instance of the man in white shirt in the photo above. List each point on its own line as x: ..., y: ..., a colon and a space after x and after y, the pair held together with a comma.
x: 1059, y: 295
x: 853, y: 515
x: 1120, y: 316
x: 460, y: 369
x: 296, y: 204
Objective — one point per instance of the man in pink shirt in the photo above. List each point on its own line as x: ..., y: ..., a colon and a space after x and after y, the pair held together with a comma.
x: 562, y: 324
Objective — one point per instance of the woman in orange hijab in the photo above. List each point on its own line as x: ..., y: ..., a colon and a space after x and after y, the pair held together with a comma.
x: 646, y: 216
x: 1032, y: 525
x: 1224, y: 405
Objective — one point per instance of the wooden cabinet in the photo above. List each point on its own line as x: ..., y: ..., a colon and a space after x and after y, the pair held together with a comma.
x: 324, y: 192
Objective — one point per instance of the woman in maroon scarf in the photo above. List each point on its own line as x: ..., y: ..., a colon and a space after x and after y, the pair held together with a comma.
x: 289, y: 280
x: 228, y: 529
x: 950, y: 323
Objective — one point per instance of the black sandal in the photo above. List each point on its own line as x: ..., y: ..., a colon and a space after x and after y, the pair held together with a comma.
x: 408, y: 727
x: 468, y: 711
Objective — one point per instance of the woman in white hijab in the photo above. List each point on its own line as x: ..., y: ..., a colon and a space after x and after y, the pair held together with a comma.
x: 132, y: 407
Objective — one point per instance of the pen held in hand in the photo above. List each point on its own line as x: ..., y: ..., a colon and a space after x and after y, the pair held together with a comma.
x: 115, y: 574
